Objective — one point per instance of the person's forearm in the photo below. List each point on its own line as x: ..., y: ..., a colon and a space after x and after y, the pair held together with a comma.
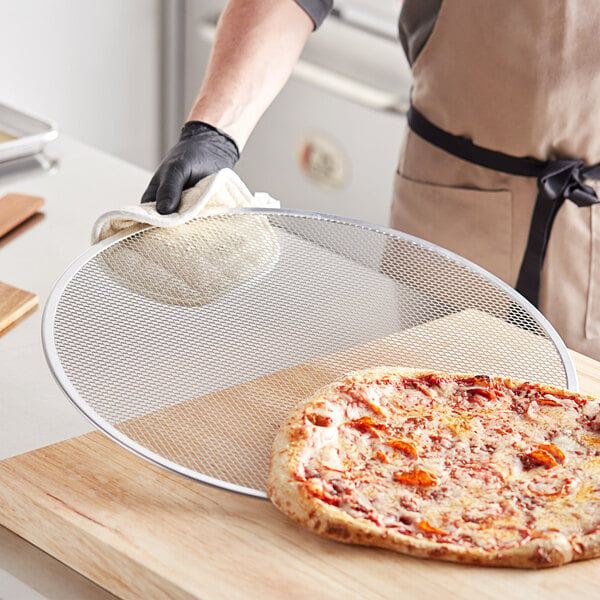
x: 257, y: 44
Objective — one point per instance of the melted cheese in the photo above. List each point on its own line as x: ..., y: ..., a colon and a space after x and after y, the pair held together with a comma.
x: 457, y: 461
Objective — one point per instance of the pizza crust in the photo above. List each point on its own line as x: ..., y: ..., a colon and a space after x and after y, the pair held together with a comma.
x: 292, y: 498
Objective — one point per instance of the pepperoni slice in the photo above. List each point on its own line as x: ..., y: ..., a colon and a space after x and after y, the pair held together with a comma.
x: 367, y: 425
x: 554, y: 451
x: 419, y: 477
x: 319, y: 420
x: 406, y: 448
x: 427, y: 528
x: 538, y: 458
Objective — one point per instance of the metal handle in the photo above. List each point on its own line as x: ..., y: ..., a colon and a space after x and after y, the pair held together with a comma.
x: 349, y: 88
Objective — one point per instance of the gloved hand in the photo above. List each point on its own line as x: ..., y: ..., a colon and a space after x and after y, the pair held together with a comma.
x: 201, y: 150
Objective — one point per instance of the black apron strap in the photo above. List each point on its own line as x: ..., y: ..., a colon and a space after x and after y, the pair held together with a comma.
x: 558, y: 180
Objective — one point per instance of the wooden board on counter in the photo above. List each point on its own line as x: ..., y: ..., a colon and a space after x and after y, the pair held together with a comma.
x: 15, y: 304
x: 142, y: 532
x: 17, y: 208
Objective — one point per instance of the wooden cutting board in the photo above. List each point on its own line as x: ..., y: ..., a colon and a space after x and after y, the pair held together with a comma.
x: 142, y: 532
x: 15, y: 305
x: 17, y: 208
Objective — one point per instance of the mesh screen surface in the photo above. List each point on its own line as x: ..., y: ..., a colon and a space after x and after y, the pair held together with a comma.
x: 194, y: 343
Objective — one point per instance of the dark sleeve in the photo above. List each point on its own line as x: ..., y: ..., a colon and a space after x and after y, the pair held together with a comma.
x: 317, y: 9
x: 417, y: 20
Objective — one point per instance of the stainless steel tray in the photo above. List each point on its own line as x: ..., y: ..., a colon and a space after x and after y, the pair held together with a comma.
x: 31, y: 133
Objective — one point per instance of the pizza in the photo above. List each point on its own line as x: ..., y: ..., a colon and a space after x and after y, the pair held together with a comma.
x: 468, y: 468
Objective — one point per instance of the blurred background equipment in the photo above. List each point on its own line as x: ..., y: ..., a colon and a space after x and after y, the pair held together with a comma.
x: 122, y: 76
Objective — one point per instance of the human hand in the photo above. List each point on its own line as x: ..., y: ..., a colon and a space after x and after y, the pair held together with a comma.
x: 201, y: 150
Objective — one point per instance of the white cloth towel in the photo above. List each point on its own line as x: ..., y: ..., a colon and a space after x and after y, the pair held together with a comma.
x: 185, y: 260
x: 212, y: 195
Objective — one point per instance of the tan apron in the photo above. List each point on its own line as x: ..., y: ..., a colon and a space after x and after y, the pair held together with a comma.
x: 520, y: 77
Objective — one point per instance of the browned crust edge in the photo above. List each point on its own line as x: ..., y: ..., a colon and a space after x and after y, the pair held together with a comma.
x: 292, y: 499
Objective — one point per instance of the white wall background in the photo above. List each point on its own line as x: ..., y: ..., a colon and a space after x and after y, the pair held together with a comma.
x: 91, y: 65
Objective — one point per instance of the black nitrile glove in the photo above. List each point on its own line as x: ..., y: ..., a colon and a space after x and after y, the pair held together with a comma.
x: 201, y: 150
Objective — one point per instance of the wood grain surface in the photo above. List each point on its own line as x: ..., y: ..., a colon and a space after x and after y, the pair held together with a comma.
x: 15, y: 305
x: 142, y: 532
x: 17, y: 208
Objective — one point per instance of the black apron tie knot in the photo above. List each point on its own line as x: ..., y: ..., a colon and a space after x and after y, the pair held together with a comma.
x: 561, y: 180
x: 564, y: 178
x: 558, y: 180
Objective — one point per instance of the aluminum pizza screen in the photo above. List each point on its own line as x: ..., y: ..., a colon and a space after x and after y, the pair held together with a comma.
x: 190, y: 345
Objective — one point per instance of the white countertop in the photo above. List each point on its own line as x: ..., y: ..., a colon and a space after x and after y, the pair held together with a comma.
x: 33, y: 410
